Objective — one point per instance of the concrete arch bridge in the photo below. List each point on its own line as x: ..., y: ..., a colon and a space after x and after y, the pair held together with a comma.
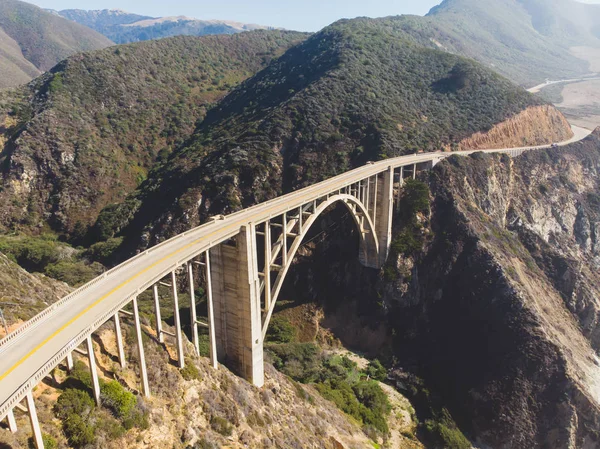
x: 242, y: 288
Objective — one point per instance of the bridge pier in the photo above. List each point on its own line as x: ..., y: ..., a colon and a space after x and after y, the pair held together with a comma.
x: 12, y: 423
x: 178, y: 336
x: 119, y: 337
x: 236, y: 293
x: 33, y: 419
x: 159, y: 331
x: 380, y: 206
x: 141, y: 355
x: 70, y: 362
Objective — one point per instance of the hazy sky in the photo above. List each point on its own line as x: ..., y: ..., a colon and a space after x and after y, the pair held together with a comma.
x: 305, y: 15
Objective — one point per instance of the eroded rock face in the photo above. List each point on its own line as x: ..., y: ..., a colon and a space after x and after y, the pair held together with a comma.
x: 501, y: 312
x: 536, y: 125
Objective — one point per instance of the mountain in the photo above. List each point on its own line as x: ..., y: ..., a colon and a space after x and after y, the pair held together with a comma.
x: 359, y: 90
x: 122, y: 27
x: 85, y: 134
x: 525, y: 40
x: 34, y: 40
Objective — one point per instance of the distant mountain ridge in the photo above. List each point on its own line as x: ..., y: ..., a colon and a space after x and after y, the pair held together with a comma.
x: 33, y: 40
x: 525, y: 40
x: 123, y: 27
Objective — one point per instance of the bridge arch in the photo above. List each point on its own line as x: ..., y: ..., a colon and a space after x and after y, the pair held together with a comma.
x: 368, y: 244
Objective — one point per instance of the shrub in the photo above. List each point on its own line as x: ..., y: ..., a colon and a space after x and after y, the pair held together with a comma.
x: 221, y: 425
x: 190, y: 371
x: 300, y: 361
x: 375, y: 402
x: 73, y: 273
x: 415, y: 197
x: 443, y: 429
x: 78, y: 431
x: 114, y: 397
x: 280, y: 331
x: 408, y: 241
x: 102, y: 252
x: 342, y: 395
x: 376, y: 370
x: 49, y: 441
x: 123, y: 404
x: 74, y: 402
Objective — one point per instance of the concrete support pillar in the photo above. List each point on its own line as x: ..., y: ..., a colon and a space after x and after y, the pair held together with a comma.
x: 93, y: 369
x: 400, y: 185
x: 140, y: 344
x: 193, y: 317
x: 211, y: 314
x: 368, y: 196
x: 33, y: 419
x: 284, y: 249
x: 236, y: 290
x: 414, y: 173
x: 383, y: 228
x: 119, y: 337
x: 159, y: 331
x: 375, y: 193
x: 70, y: 362
x: 267, y: 269
x: 12, y: 422
x: 178, y: 337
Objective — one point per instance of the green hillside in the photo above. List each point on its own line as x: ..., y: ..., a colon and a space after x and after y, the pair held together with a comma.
x: 358, y: 90
x: 84, y: 135
x: 35, y: 40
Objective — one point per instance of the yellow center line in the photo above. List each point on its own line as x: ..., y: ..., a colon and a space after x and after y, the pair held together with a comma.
x: 99, y: 300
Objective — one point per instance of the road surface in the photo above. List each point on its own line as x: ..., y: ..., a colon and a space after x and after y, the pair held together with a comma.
x: 536, y: 89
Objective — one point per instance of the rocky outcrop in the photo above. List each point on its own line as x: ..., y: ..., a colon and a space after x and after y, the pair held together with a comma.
x: 500, y: 311
x: 536, y: 125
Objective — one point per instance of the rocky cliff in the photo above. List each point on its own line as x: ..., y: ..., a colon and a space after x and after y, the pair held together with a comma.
x: 536, y: 125
x: 500, y: 309
x: 490, y: 294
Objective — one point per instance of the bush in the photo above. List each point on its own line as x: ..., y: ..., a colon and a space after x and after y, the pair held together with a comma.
x: 73, y: 273
x: 49, y: 441
x: 415, y: 197
x: 280, y: 331
x: 123, y: 404
x: 190, y: 371
x: 376, y: 402
x: 375, y: 370
x: 78, y: 431
x: 114, y: 397
x: 74, y: 402
x: 300, y: 361
x: 102, y: 252
x: 407, y: 242
x: 342, y: 395
x: 441, y: 430
x: 221, y: 425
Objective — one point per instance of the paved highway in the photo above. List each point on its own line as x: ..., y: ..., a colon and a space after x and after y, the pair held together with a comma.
x: 536, y: 89
x: 39, y: 345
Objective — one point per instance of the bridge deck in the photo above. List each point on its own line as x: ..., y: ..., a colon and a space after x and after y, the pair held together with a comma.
x: 26, y: 352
